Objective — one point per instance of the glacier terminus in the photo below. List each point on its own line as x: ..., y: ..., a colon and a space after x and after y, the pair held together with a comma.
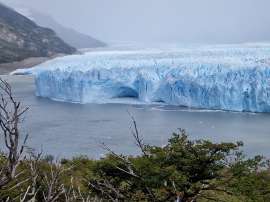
x: 226, y: 77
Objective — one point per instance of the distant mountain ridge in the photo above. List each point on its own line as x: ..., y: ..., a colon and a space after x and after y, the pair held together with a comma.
x: 21, y: 38
x: 69, y: 35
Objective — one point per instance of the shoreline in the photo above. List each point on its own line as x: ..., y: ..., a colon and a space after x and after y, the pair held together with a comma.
x: 7, y: 68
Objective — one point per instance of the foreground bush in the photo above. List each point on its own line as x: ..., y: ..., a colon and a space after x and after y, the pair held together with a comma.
x: 183, y: 170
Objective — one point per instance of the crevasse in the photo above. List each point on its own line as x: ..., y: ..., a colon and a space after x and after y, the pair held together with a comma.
x: 228, y: 77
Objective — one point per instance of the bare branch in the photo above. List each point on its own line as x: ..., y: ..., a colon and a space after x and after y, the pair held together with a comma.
x: 11, y: 113
x: 136, y: 136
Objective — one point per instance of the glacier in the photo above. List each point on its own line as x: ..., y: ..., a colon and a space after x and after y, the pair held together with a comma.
x: 227, y: 77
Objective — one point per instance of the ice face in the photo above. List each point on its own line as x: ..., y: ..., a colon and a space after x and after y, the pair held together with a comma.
x: 227, y: 77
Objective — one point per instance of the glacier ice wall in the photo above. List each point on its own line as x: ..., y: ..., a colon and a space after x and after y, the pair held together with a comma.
x: 227, y: 77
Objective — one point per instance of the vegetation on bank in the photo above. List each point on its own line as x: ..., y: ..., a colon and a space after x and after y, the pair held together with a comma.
x: 182, y: 171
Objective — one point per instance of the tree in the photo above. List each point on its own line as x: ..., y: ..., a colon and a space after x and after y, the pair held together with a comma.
x: 11, y: 112
x: 184, y: 170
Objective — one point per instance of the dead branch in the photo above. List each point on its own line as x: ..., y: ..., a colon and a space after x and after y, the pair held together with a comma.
x: 52, y: 181
x: 11, y: 113
x: 136, y: 136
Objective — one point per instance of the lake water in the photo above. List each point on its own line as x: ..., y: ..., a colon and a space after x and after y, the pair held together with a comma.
x: 67, y: 130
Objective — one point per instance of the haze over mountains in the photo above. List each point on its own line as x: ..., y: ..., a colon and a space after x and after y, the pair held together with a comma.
x: 69, y: 35
x: 21, y: 38
x: 24, y: 34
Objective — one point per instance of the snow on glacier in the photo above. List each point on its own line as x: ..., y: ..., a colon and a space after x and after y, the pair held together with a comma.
x: 227, y: 77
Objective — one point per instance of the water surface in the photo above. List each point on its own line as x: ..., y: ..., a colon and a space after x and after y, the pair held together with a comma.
x: 66, y: 130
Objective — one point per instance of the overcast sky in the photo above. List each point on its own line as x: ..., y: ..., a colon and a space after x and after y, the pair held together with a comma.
x: 181, y: 21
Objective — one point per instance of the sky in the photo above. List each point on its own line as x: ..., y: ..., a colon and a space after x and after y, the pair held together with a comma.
x: 161, y: 21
